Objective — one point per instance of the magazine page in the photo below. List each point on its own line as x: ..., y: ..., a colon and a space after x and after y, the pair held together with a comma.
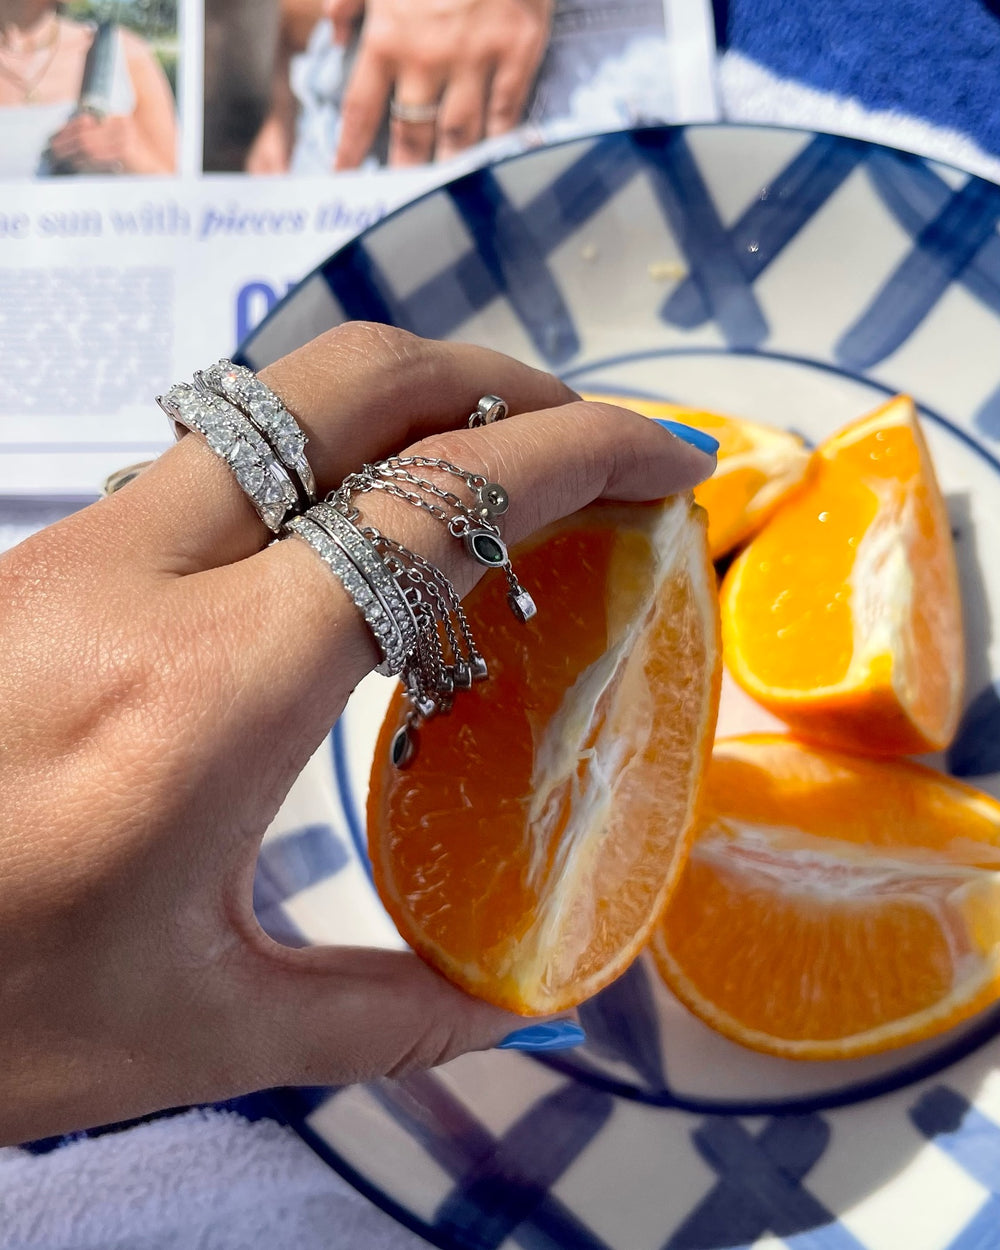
x: 169, y: 169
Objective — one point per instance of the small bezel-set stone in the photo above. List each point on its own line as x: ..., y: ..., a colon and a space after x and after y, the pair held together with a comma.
x: 487, y: 548
x: 522, y: 604
x: 404, y: 747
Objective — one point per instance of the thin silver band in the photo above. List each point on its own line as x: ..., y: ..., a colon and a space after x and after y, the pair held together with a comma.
x: 382, y: 623
x: 414, y: 114
x: 244, y: 389
x: 262, y: 477
x: 372, y: 568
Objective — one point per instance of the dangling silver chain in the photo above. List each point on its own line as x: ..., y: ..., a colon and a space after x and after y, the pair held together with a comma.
x: 445, y: 658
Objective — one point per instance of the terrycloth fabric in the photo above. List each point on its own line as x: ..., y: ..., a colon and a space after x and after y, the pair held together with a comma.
x: 750, y: 92
x: 939, y: 62
x: 205, y: 1180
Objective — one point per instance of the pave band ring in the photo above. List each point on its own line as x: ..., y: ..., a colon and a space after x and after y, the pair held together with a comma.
x: 265, y: 410
x: 261, y: 475
x: 414, y: 114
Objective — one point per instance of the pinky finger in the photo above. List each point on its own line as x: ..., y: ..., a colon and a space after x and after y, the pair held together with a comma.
x: 509, y: 92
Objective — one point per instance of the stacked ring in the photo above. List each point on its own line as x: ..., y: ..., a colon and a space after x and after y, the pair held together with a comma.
x: 249, y: 427
x: 262, y: 407
x: 261, y: 475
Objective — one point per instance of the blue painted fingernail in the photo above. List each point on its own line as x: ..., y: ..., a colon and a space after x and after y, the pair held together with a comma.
x: 559, y: 1035
x: 697, y: 438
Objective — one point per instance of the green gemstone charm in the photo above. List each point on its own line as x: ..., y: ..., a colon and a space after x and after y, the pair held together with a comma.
x: 486, y: 547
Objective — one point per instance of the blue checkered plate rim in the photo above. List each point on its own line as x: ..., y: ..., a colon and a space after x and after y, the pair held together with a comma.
x: 790, y: 277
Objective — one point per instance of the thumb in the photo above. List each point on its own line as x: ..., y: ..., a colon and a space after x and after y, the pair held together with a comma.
x: 337, y: 1015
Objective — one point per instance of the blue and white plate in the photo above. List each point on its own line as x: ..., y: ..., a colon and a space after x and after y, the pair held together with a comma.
x: 789, y: 277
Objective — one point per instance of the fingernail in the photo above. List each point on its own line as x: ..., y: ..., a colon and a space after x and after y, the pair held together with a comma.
x: 559, y: 1035
x: 688, y: 434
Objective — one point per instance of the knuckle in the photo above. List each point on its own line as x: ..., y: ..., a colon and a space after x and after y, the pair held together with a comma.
x: 504, y: 110
x: 410, y: 137
x: 383, y: 346
x: 460, y: 447
x: 437, y: 1044
x: 457, y: 134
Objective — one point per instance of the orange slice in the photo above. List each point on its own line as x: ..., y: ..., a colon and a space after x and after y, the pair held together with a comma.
x: 758, y: 465
x: 528, y: 850
x: 843, y: 616
x: 834, y: 906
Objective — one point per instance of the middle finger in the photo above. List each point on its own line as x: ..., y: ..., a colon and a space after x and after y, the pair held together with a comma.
x: 359, y: 392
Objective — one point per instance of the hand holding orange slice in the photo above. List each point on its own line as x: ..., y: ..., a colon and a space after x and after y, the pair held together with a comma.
x: 528, y: 850
x: 843, y: 615
x: 834, y: 906
x: 757, y: 466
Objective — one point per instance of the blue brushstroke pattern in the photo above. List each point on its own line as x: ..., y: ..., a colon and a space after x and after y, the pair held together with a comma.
x: 975, y: 751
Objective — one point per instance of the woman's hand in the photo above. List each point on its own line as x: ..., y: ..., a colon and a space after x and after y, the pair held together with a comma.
x: 141, y: 142
x: 95, y: 145
x: 166, y: 677
x: 472, y: 60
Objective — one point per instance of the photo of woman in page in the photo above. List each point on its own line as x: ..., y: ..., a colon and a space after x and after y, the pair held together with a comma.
x: 371, y: 83
x: 82, y: 92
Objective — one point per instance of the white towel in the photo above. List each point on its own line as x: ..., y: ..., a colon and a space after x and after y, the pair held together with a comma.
x: 203, y: 1180
x: 750, y: 93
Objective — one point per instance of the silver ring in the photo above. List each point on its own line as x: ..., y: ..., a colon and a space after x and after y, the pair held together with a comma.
x: 414, y: 114
x: 384, y: 625
x: 121, y: 477
x: 489, y: 409
x: 264, y: 409
x: 260, y: 474
x: 380, y: 581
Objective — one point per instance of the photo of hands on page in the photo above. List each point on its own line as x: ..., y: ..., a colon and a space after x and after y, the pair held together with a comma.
x: 87, y: 88
x: 333, y: 85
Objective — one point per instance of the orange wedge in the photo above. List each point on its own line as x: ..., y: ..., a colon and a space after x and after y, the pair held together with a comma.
x: 529, y: 848
x: 843, y: 616
x: 758, y: 465
x: 834, y: 906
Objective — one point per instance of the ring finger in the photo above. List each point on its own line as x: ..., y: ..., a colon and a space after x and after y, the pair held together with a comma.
x: 412, y: 118
x: 551, y: 463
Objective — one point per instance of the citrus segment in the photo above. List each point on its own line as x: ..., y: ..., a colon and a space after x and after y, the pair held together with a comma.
x: 843, y: 616
x: 833, y: 906
x: 528, y: 849
x: 757, y: 467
